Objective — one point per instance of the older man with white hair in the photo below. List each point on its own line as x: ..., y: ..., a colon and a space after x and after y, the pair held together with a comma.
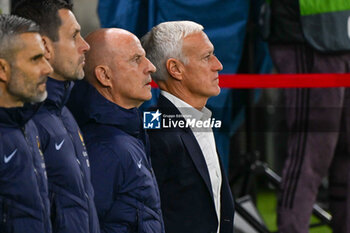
x: 195, y: 194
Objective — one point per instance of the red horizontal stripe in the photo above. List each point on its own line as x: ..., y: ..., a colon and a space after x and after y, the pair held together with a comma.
x: 282, y: 80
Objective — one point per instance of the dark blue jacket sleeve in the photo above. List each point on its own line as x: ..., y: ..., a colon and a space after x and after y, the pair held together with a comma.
x: 107, y: 176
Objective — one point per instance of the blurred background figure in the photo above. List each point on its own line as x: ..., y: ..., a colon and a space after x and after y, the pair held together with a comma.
x: 313, y: 37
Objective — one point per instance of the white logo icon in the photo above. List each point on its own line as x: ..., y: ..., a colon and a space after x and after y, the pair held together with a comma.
x: 139, y: 163
x: 156, y: 115
x: 58, y: 147
x: 151, y: 120
x: 8, y: 158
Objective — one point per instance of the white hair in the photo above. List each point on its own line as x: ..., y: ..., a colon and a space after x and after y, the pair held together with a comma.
x: 164, y: 41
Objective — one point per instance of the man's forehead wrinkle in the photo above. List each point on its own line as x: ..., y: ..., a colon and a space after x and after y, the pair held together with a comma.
x: 198, y: 43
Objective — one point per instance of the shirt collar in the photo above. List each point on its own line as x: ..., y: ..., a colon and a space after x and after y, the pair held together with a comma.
x: 187, y: 110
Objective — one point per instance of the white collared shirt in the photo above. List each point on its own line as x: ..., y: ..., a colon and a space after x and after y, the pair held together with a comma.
x: 206, y: 141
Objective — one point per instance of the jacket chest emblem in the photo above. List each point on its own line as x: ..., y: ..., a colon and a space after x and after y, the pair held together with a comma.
x: 58, y: 146
x: 139, y: 163
x: 9, y: 157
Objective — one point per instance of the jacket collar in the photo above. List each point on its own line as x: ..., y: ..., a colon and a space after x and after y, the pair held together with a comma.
x: 187, y: 110
x: 58, y: 92
x: 189, y: 140
x: 168, y: 108
x: 98, y: 109
x: 19, y: 116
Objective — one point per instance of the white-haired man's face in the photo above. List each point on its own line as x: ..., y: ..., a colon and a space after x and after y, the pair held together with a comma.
x: 201, y: 75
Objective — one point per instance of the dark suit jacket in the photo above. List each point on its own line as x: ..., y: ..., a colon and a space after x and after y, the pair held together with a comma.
x: 183, y: 179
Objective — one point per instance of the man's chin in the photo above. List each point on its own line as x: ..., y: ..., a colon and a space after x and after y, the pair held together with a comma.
x: 144, y: 99
x: 147, y: 96
x: 39, y: 98
x: 215, y: 92
x: 77, y: 76
x: 218, y: 91
x: 80, y: 77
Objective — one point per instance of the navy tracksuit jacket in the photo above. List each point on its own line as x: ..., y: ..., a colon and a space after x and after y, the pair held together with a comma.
x: 67, y: 164
x: 24, y: 203
x: 126, y: 191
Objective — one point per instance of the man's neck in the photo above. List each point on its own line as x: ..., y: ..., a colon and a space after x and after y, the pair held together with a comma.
x: 197, y: 102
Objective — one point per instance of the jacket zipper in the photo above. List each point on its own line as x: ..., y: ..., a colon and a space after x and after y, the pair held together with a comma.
x: 36, y: 174
x: 81, y: 170
x: 4, y: 212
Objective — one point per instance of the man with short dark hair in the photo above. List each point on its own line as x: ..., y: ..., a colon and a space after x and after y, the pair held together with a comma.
x: 24, y: 202
x: 68, y: 168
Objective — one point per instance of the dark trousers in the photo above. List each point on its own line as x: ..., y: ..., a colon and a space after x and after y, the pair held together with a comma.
x: 319, y: 140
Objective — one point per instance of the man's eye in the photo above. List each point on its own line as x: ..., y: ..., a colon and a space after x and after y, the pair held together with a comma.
x: 137, y: 58
x: 36, y: 58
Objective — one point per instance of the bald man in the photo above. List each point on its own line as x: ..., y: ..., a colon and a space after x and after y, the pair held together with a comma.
x: 106, y: 106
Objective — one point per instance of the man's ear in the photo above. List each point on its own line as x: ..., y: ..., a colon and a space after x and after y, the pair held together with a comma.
x: 175, y: 68
x: 5, y: 70
x: 48, y: 47
x: 103, y: 75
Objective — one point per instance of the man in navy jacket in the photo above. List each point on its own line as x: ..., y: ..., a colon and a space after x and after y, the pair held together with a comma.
x: 127, y: 197
x: 68, y: 169
x: 195, y: 194
x: 24, y: 202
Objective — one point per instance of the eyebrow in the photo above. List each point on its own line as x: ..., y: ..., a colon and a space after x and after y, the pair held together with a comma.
x: 136, y: 55
x: 208, y: 52
x: 35, y: 57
